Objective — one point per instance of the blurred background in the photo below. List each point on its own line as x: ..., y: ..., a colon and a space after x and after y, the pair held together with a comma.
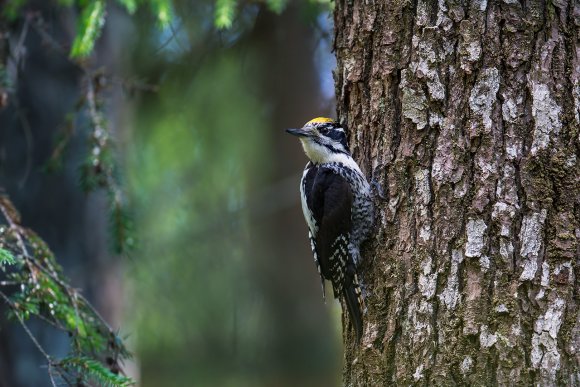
x: 221, y: 289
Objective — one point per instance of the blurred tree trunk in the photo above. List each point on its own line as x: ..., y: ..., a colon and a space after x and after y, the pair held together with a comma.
x: 468, y: 115
x: 299, y: 324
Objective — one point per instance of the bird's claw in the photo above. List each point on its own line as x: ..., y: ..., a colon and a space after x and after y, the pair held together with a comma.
x: 378, y: 189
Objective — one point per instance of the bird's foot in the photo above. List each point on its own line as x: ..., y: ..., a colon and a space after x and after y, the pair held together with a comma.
x: 378, y: 189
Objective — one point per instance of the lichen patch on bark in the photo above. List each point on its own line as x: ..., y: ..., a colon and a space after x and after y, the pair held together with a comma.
x: 466, y: 365
x: 475, y: 232
x: 483, y: 95
x: 546, y: 113
x: 486, y: 339
x: 413, y: 103
x: 545, y: 355
x: 427, y: 280
x: 450, y: 295
x: 531, y: 240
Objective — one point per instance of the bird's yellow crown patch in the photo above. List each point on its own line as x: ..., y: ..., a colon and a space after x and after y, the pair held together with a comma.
x: 319, y: 120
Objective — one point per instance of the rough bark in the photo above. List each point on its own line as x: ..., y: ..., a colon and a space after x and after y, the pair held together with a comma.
x: 468, y: 114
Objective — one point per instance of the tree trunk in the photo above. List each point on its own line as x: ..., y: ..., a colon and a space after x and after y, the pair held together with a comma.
x: 468, y: 115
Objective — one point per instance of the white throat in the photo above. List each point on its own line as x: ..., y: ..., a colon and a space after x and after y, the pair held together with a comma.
x: 319, y: 154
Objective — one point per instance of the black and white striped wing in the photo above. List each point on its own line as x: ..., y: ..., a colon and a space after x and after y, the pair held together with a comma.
x: 331, y: 201
x: 328, y: 210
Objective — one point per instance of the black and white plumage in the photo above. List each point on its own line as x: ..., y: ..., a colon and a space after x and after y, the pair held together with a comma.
x: 337, y: 205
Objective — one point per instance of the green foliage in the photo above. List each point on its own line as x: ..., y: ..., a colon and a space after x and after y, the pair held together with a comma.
x: 121, y: 228
x: 93, y: 14
x: 100, y: 168
x: 276, y: 6
x: 162, y: 10
x: 92, y: 18
x: 6, y: 257
x: 94, y: 372
x: 224, y: 13
x: 89, y: 28
x: 40, y: 290
x: 96, y: 169
x: 12, y: 7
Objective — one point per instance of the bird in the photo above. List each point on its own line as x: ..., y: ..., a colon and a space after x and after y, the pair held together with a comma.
x: 337, y: 205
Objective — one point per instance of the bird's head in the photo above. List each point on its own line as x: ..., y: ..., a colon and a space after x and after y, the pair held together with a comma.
x: 323, y: 140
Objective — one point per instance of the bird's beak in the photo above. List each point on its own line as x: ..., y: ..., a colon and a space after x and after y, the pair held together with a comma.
x: 300, y: 132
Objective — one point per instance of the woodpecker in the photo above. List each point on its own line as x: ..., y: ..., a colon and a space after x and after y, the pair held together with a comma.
x: 337, y: 206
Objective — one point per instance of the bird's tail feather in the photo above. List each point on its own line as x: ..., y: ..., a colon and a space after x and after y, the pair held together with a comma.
x: 354, y: 303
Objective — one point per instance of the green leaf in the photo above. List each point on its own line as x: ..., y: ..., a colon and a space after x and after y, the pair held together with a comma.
x: 90, y: 26
x: 75, y: 324
x: 6, y: 257
x: 97, y: 371
x: 224, y: 13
